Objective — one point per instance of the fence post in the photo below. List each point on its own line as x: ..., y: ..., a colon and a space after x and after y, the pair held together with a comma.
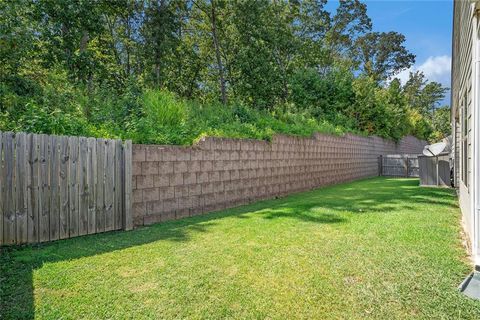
x: 380, y: 165
x: 127, y: 176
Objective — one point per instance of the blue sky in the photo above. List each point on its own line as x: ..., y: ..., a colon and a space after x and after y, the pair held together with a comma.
x: 427, y: 26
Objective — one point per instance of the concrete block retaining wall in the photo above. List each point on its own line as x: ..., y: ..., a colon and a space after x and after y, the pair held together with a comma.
x: 172, y: 182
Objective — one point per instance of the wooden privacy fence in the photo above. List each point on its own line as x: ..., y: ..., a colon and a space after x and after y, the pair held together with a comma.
x: 399, y: 165
x: 435, y: 171
x: 54, y: 187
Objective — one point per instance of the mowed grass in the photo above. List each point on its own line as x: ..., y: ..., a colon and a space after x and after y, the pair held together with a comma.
x: 378, y: 248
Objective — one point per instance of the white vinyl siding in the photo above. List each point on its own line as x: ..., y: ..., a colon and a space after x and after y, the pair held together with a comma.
x: 462, y: 67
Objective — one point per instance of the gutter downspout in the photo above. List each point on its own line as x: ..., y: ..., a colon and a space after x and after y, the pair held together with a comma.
x: 452, y: 113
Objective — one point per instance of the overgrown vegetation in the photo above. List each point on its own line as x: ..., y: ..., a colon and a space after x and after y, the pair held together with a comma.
x: 170, y: 71
x: 374, y: 249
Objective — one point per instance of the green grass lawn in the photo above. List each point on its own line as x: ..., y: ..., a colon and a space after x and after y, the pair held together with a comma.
x: 378, y: 248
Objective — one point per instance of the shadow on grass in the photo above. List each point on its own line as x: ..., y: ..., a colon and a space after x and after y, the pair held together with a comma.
x: 323, y: 206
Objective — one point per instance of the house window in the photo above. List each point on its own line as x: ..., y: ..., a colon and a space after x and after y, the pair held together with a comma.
x: 465, y: 140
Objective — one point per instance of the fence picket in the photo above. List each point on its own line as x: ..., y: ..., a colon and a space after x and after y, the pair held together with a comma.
x: 92, y: 181
x: 8, y: 203
x: 73, y: 219
x: 20, y: 188
x: 44, y: 196
x: 100, y: 212
x: 118, y: 185
x: 33, y: 190
x: 83, y: 187
x: 127, y: 182
x: 54, y: 188
x: 109, y: 192
x: 63, y: 187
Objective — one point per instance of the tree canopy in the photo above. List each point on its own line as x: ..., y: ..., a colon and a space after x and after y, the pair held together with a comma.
x: 92, y: 67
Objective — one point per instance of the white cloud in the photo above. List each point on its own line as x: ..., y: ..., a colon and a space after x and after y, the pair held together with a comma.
x: 403, y: 75
x: 435, y: 68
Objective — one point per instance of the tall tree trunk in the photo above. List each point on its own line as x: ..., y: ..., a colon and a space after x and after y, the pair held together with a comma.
x: 160, y: 6
x: 217, y: 54
x: 110, y: 25
x: 127, y: 46
x: 84, y: 41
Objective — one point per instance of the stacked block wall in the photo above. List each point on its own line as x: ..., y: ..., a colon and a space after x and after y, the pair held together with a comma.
x: 172, y: 182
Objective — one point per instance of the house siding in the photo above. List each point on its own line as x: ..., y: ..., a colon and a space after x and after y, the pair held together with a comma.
x: 463, y: 46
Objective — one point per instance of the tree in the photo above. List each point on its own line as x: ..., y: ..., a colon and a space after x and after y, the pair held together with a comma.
x: 383, y: 54
x: 211, y: 11
x: 264, y: 52
x: 18, y: 40
x: 89, y: 63
x: 67, y: 30
x: 397, y: 110
x: 311, y: 27
x: 348, y: 24
x: 325, y: 96
x: 124, y: 19
x: 161, y: 35
x: 441, y: 123
x: 368, y: 114
x: 431, y: 96
x: 422, y: 95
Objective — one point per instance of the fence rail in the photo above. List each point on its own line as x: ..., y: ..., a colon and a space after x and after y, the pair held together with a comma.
x: 56, y: 187
x: 399, y: 165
